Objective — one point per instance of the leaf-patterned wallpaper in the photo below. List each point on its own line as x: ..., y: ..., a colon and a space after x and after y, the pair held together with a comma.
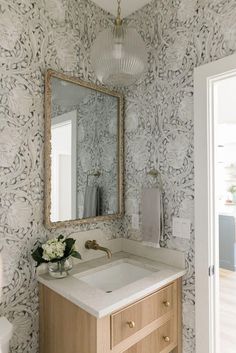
x: 179, y: 35
x: 35, y: 35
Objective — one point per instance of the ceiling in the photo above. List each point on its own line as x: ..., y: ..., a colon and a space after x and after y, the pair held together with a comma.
x: 127, y: 6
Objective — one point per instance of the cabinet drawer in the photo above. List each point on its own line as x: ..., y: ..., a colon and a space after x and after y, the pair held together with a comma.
x: 157, y: 341
x: 133, y: 318
x: 167, y: 335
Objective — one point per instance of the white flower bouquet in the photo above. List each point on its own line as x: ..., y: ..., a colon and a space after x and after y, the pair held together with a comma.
x: 55, y: 250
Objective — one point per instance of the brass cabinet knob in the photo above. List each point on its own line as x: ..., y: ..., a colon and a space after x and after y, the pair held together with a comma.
x: 131, y: 324
x: 166, y: 338
x: 166, y: 303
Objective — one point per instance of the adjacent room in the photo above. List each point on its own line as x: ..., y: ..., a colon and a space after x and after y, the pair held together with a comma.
x: 225, y: 115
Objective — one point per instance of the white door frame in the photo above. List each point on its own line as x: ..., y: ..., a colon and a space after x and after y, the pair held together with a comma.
x: 206, y: 221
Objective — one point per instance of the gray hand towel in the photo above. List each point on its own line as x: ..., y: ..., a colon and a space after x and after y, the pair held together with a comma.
x: 152, y: 216
x: 91, y: 202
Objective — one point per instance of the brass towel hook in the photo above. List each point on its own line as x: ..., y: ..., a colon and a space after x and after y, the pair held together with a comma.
x: 156, y: 174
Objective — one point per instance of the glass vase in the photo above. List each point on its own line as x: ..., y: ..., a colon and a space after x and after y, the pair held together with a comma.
x: 60, y: 269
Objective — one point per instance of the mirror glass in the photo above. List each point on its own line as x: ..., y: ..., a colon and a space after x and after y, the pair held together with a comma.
x: 85, y: 159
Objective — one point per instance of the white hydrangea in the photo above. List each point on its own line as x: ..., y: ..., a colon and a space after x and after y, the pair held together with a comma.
x: 53, y: 249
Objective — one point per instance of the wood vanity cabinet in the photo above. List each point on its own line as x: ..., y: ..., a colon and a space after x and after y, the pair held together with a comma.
x: 150, y: 325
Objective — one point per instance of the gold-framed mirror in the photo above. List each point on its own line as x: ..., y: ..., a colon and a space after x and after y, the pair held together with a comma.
x: 84, y: 152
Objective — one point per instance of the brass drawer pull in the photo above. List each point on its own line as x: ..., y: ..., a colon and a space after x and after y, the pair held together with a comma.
x: 131, y: 324
x: 166, y: 303
x: 166, y: 338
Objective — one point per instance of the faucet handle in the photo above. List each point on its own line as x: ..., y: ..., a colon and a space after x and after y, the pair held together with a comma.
x: 90, y: 244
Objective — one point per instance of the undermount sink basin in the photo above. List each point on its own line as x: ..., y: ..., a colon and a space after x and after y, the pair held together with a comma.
x: 115, y: 275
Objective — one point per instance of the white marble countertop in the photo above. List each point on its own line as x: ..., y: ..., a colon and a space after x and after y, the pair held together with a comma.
x: 99, y: 303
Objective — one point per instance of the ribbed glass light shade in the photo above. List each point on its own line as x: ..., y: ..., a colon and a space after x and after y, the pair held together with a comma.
x: 119, y: 61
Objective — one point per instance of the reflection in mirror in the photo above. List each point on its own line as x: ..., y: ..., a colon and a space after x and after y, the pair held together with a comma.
x: 86, y: 151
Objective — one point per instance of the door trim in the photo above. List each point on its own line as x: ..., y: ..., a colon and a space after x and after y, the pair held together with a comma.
x: 206, y: 222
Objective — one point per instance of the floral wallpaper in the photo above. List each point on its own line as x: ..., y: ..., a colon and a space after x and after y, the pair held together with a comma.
x: 34, y: 36
x: 179, y: 35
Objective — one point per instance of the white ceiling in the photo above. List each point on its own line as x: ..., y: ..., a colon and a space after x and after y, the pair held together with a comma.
x: 127, y: 6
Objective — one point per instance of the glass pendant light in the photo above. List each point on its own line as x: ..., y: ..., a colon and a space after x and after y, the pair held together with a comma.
x: 119, y: 56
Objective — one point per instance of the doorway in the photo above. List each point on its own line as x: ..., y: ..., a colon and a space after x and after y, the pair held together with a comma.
x: 225, y: 144
x: 215, y: 148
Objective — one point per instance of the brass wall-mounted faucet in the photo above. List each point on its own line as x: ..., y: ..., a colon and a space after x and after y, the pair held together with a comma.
x: 92, y: 244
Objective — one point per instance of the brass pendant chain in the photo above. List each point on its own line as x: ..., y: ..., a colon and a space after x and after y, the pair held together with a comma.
x: 119, y: 9
x: 118, y: 30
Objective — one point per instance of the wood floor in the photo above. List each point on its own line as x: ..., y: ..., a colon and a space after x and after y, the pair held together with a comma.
x: 227, y: 311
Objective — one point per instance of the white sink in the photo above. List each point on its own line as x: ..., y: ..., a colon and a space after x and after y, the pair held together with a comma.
x: 115, y: 275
